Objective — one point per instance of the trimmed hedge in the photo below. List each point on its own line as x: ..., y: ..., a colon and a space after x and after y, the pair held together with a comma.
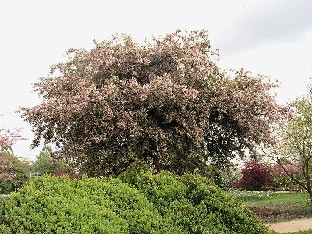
x: 194, y: 204
x: 134, y: 203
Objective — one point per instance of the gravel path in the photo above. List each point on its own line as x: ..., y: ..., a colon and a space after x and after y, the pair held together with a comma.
x: 291, y: 226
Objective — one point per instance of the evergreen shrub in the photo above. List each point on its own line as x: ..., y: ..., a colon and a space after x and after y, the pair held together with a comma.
x: 132, y: 203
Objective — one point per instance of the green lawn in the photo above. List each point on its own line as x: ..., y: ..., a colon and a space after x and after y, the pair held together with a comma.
x: 305, y: 232
x: 269, y: 196
x: 285, y: 203
x: 278, y: 201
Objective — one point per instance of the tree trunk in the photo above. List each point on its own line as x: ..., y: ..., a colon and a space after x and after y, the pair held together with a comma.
x: 153, y: 154
x: 156, y: 165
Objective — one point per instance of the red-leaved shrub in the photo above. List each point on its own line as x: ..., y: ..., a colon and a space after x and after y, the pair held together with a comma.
x: 256, y: 176
x: 64, y: 171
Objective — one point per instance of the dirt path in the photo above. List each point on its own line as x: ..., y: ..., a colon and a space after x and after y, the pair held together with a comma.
x: 291, y: 226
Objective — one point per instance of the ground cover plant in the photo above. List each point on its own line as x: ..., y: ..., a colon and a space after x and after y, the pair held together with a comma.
x: 275, y: 207
x: 133, y: 203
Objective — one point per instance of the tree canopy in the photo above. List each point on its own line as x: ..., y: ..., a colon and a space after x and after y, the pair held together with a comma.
x: 46, y: 164
x: 295, y: 148
x: 165, y: 102
x: 13, y: 171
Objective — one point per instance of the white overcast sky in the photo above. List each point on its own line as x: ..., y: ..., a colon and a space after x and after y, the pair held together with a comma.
x: 273, y: 38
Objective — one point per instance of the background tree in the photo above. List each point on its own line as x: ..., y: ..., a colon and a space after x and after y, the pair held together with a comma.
x: 165, y: 103
x: 226, y: 178
x: 8, y: 138
x: 46, y: 164
x: 295, y: 149
x: 13, y: 171
x: 282, y: 180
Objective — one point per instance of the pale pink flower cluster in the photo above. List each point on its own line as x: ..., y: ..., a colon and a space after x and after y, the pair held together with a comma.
x: 165, y: 102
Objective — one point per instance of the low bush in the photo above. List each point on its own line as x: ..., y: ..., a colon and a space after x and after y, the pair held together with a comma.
x: 134, y: 203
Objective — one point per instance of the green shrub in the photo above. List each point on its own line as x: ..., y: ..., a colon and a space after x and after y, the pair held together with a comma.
x: 134, y: 203
x: 194, y: 204
x: 60, y: 205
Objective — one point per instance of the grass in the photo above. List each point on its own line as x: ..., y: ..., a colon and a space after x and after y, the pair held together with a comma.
x: 269, y: 199
x: 254, y: 197
x: 276, y: 207
x: 305, y: 232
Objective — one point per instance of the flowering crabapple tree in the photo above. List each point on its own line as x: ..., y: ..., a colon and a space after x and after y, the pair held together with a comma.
x: 12, y: 170
x: 281, y: 179
x: 7, y: 139
x: 165, y: 103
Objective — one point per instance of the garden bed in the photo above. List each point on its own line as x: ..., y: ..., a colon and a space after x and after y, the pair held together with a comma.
x: 279, y: 214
